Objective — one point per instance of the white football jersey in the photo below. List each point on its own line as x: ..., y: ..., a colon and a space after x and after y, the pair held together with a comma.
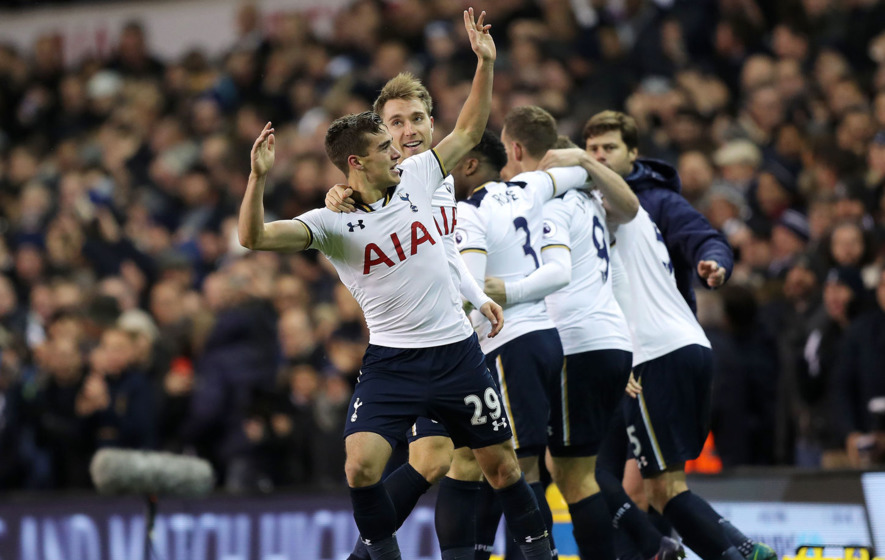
x: 388, y: 254
x: 585, y: 311
x: 505, y: 221
x: 444, y: 212
x: 660, y: 321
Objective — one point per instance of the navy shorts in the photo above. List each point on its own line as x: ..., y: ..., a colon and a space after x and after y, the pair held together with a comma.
x: 525, y: 367
x: 425, y: 427
x: 584, y: 398
x: 449, y: 384
x: 669, y: 422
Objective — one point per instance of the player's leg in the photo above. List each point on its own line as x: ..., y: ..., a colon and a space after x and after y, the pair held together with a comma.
x: 524, y: 368
x: 373, y: 510
x: 408, y: 482
x: 584, y: 396
x: 456, y: 506
x: 518, y: 502
x: 668, y: 424
x: 624, y: 492
x: 467, y: 401
x: 431, y: 456
x: 385, y: 402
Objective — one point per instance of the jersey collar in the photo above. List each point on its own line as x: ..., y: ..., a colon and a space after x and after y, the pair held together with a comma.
x: 387, y: 196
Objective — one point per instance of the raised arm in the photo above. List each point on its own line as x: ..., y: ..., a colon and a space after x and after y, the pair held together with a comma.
x: 620, y: 201
x: 281, y: 235
x: 475, y: 114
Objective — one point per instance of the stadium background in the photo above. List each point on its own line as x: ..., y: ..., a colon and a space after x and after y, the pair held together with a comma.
x: 129, y: 315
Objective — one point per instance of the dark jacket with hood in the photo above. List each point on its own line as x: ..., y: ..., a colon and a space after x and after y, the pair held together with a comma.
x: 688, y: 235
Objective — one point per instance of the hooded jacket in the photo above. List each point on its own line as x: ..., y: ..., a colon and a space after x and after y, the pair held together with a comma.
x: 688, y: 235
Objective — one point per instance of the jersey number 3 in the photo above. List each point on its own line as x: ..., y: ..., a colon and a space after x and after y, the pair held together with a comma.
x: 521, y: 224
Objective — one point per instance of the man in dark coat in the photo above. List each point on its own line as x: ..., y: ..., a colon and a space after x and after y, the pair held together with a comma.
x: 695, y: 247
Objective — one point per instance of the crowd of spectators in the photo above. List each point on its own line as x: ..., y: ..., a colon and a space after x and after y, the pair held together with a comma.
x: 130, y: 316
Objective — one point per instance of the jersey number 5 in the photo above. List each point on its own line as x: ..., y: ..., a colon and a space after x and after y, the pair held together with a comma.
x: 521, y: 224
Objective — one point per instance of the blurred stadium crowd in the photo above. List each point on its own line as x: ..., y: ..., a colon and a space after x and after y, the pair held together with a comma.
x: 130, y: 316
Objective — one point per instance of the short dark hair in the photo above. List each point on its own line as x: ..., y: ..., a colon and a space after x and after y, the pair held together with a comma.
x: 491, y: 149
x: 606, y: 121
x: 533, y: 127
x: 348, y: 135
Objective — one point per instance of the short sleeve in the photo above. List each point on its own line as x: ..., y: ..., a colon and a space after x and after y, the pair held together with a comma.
x: 319, y: 226
x: 470, y: 234
x: 557, y: 217
x: 444, y: 196
x: 545, y: 185
x: 425, y: 169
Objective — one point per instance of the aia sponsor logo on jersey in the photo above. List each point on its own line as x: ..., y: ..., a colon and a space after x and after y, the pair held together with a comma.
x: 374, y: 255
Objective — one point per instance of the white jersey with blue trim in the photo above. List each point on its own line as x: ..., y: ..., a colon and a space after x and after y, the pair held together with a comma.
x: 388, y: 255
x: 659, y: 319
x: 444, y: 216
x: 585, y: 311
x: 504, y: 220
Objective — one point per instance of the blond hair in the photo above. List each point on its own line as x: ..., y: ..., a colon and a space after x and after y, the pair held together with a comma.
x: 403, y: 86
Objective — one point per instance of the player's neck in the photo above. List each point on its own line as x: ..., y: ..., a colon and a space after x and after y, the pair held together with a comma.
x: 529, y: 163
x: 365, y: 191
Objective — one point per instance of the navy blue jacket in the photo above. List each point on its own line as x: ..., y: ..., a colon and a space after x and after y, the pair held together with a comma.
x: 688, y: 235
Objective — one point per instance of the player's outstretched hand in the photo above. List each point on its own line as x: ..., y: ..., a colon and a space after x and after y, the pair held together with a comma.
x: 496, y: 289
x: 338, y: 199
x: 712, y: 273
x: 567, y: 157
x: 263, y: 151
x: 633, y: 387
x: 493, y: 312
x: 480, y: 40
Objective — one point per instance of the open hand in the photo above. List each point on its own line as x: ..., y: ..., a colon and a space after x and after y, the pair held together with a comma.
x: 712, y: 273
x: 338, y: 199
x: 493, y: 312
x: 480, y: 40
x: 263, y: 151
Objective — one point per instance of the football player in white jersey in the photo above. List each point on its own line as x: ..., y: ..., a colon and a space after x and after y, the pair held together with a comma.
x: 423, y: 359
x: 405, y: 106
x: 672, y: 360
x: 596, y: 342
x: 696, y: 250
x: 499, y: 233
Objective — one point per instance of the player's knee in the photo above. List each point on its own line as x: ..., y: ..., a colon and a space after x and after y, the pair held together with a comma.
x: 504, y: 472
x: 465, y: 467
x: 431, y: 457
x: 362, y: 471
x: 531, y: 468
x: 659, y: 491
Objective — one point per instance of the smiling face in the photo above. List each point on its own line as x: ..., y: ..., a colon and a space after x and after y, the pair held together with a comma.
x: 409, y: 125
